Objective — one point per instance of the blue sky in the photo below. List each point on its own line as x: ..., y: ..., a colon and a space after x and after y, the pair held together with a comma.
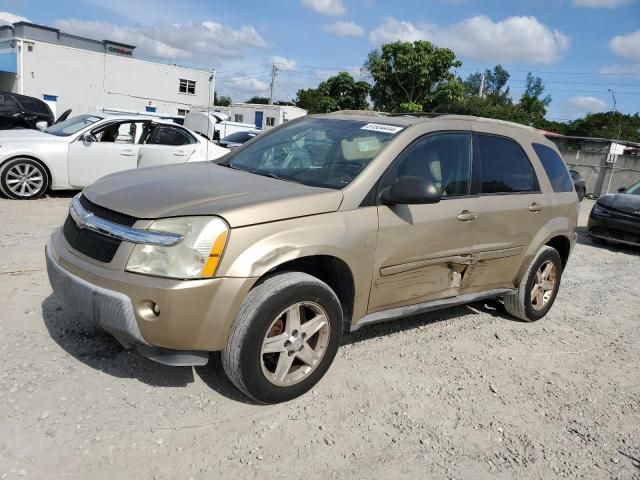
x: 580, y: 48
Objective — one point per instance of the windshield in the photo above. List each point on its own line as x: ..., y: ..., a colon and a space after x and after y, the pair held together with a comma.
x: 634, y: 189
x: 72, y: 125
x: 315, y: 151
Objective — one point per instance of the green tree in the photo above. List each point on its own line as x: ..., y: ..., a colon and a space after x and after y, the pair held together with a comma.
x: 606, y: 125
x: 533, y: 105
x: 340, y: 92
x: 259, y: 100
x: 495, y: 87
x: 222, y: 101
x: 413, y: 73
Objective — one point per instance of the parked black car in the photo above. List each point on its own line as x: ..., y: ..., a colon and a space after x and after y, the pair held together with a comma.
x: 579, y: 184
x: 234, y: 140
x: 21, y: 111
x: 616, y: 217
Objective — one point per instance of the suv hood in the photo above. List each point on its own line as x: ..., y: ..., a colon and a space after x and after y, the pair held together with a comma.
x: 622, y: 202
x: 205, y: 188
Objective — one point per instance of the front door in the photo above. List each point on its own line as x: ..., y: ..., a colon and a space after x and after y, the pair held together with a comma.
x: 259, y: 116
x: 423, y: 251
x: 109, y: 149
x: 510, y: 210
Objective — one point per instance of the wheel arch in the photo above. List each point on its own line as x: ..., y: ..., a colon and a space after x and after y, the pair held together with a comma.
x: 562, y: 245
x: 332, y: 270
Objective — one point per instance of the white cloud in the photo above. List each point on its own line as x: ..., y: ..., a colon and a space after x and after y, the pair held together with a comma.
x: 601, y: 3
x: 514, y: 39
x: 586, y: 104
x: 627, y: 46
x: 204, y: 41
x: 334, y: 8
x: 8, y: 18
x: 344, y: 29
x: 248, y: 85
x: 283, y: 63
x: 621, y: 70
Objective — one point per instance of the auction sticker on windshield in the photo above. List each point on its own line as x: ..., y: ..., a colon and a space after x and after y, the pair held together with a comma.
x: 379, y: 127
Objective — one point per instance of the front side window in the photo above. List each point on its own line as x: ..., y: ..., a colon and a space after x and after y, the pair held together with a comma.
x: 501, y: 166
x: 122, y: 132
x: 187, y: 86
x: 314, y: 151
x: 443, y: 159
x: 72, y: 125
x: 554, y: 167
x: 168, y: 135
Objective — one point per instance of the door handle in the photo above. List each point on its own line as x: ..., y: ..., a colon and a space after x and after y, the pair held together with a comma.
x: 179, y: 153
x: 535, y: 207
x: 126, y: 153
x: 466, y: 215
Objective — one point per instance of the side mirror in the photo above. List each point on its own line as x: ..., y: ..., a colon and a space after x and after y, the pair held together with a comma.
x: 41, y: 125
x: 88, y: 138
x: 410, y: 191
x: 622, y: 189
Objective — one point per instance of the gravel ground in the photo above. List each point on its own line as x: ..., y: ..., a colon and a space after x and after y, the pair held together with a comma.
x: 462, y: 393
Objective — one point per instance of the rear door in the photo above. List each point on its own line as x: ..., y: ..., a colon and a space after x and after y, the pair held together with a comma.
x: 510, y: 210
x: 112, y: 149
x: 423, y: 251
x: 166, y: 144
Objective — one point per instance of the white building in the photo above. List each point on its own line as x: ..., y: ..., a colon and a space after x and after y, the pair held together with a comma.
x: 86, y: 75
x: 262, y: 116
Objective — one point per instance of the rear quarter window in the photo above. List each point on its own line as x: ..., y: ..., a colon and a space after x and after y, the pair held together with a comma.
x: 554, y: 167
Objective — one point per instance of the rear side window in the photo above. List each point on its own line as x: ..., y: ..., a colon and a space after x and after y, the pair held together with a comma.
x: 501, y: 166
x: 555, y: 168
x: 168, y: 135
x: 34, y: 105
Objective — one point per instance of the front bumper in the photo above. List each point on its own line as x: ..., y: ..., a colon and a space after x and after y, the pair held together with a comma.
x: 615, y: 228
x: 194, y: 315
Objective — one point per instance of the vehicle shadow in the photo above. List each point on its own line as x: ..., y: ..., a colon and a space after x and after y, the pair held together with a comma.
x: 82, y: 339
x: 61, y: 193
x: 492, y: 307
x: 585, y: 239
x: 85, y: 341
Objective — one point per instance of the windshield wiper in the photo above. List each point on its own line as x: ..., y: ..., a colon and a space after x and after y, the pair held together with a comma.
x: 266, y: 173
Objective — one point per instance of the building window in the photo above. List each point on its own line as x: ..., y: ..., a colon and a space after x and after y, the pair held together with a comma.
x: 238, y: 118
x: 183, y: 112
x: 30, y: 47
x: 271, y: 121
x: 187, y: 86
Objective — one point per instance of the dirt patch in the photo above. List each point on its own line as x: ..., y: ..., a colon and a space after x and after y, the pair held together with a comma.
x: 461, y: 393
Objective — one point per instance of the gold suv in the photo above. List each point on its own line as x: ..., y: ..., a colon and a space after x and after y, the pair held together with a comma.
x: 318, y: 227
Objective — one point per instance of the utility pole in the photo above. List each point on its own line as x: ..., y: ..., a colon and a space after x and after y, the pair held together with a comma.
x: 481, y: 86
x: 615, y: 110
x: 274, y: 72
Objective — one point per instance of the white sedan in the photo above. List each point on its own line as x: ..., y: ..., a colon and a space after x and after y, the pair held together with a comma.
x: 76, y: 152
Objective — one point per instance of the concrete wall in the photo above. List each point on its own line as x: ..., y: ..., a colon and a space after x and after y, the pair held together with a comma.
x: 589, y: 159
x: 86, y: 80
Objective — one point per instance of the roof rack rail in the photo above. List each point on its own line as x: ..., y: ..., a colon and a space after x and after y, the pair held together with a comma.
x: 417, y: 114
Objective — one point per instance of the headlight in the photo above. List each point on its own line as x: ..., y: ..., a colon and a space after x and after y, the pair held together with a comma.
x: 196, y: 256
x: 598, y: 210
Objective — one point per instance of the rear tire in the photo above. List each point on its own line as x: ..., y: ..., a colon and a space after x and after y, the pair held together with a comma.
x: 23, y: 179
x: 538, y: 287
x: 274, y: 354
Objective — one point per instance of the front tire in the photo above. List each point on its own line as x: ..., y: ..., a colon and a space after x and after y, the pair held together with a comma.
x: 23, y: 179
x: 538, y: 288
x: 284, y: 338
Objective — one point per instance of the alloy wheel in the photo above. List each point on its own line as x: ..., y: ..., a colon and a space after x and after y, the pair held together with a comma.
x: 24, y: 179
x: 295, y: 343
x: 544, y: 285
